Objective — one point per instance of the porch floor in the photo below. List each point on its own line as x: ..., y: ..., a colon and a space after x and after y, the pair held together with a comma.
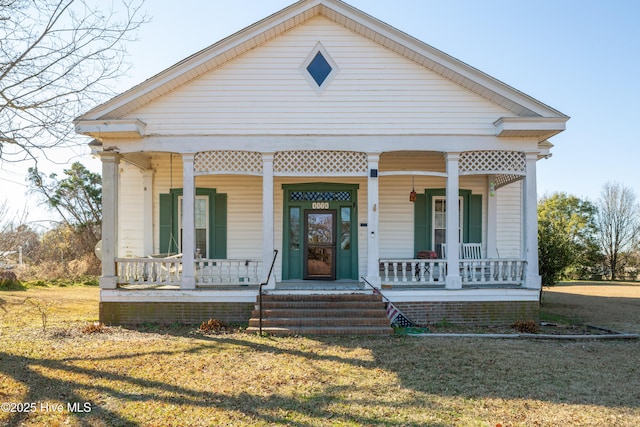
x: 176, y: 287
x: 320, y: 285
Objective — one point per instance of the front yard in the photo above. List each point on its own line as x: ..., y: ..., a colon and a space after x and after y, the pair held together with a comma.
x: 152, y: 376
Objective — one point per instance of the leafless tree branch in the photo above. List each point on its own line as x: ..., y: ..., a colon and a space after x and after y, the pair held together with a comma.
x: 58, y: 59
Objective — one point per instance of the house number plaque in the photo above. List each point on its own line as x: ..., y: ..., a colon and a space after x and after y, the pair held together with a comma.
x: 320, y: 205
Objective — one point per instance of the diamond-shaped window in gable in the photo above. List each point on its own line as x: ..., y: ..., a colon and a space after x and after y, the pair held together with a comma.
x: 318, y: 68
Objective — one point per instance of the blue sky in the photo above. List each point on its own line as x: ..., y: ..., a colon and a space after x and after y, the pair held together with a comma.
x: 578, y: 56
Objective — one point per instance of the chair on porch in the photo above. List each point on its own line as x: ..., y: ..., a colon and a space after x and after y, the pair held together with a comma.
x: 466, y: 251
x: 472, y: 251
x: 474, y: 270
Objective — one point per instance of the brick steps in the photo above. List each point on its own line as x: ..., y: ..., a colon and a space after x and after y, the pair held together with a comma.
x: 332, y: 314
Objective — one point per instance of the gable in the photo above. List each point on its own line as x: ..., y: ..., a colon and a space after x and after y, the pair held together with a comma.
x: 526, y: 116
x: 266, y: 91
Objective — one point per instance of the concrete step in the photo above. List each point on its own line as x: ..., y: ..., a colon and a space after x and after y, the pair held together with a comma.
x: 336, y: 285
x: 320, y: 321
x: 321, y: 297
x: 321, y: 314
x: 328, y: 330
x: 311, y: 305
x: 346, y: 301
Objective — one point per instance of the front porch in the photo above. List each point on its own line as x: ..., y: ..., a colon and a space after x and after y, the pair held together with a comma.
x: 334, y: 217
x: 165, y: 273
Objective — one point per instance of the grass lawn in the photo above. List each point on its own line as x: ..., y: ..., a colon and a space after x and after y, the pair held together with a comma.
x: 164, y: 376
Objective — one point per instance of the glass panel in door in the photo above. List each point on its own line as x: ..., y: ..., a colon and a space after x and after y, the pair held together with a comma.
x: 320, y: 245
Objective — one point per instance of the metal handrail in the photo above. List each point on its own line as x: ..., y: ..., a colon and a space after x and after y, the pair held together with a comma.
x: 273, y: 262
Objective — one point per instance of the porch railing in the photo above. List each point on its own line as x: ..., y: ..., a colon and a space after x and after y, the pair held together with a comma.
x: 502, y: 271
x: 228, y: 272
x: 168, y: 271
x: 149, y: 271
x: 407, y: 271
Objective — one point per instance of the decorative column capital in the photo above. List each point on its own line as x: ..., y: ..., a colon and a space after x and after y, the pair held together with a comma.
x: 373, y: 157
x: 452, y: 156
x: 268, y: 157
x: 110, y: 156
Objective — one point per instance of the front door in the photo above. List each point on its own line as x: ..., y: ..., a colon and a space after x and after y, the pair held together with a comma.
x: 319, y: 245
x: 308, y: 253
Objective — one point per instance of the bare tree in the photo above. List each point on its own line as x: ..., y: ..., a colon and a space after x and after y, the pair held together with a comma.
x: 618, y: 224
x: 57, y: 59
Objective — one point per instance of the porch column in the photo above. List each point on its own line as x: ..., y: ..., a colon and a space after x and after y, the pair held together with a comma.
x: 147, y: 180
x: 530, y: 215
x: 267, y: 218
x: 110, y: 164
x: 188, y: 280
x: 373, y: 240
x: 492, y: 218
x: 453, y: 279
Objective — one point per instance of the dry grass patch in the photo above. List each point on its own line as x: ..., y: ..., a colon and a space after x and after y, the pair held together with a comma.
x: 615, y: 305
x: 168, y: 376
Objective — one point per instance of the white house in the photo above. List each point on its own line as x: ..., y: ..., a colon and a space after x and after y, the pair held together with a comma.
x: 341, y: 142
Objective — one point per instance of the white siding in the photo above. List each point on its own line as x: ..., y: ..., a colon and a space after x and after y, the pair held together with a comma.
x: 130, y: 212
x: 509, y: 241
x: 376, y: 91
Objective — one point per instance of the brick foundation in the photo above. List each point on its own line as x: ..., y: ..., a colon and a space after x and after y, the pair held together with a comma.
x: 123, y: 313
x: 477, y: 313
x: 423, y: 313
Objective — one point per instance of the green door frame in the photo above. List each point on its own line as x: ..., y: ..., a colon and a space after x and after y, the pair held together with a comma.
x: 313, y: 196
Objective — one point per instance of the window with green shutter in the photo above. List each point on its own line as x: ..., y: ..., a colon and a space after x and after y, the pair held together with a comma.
x: 211, y: 223
x: 430, y: 204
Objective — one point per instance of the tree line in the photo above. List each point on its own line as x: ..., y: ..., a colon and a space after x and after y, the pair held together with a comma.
x: 65, y: 249
x: 580, y: 239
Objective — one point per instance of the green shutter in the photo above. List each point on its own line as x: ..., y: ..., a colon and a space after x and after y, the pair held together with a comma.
x: 167, y: 242
x: 422, y: 234
x: 219, y: 227
x: 475, y: 218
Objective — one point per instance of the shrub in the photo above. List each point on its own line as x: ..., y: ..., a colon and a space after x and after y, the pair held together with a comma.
x: 95, y: 328
x: 77, y: 270
x: 213, y: 326
x: 9, y: 281
x: 526, y: 326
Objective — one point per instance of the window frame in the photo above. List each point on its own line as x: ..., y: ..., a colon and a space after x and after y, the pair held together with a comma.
x: 169, y: 221
x: 461, y: 217
x: 207, y: 227
x: 472, y: 218
x: 319, y: 89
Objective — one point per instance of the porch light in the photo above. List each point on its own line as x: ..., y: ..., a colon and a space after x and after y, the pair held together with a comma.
x: 413, y: 195
x: 492, y: 189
